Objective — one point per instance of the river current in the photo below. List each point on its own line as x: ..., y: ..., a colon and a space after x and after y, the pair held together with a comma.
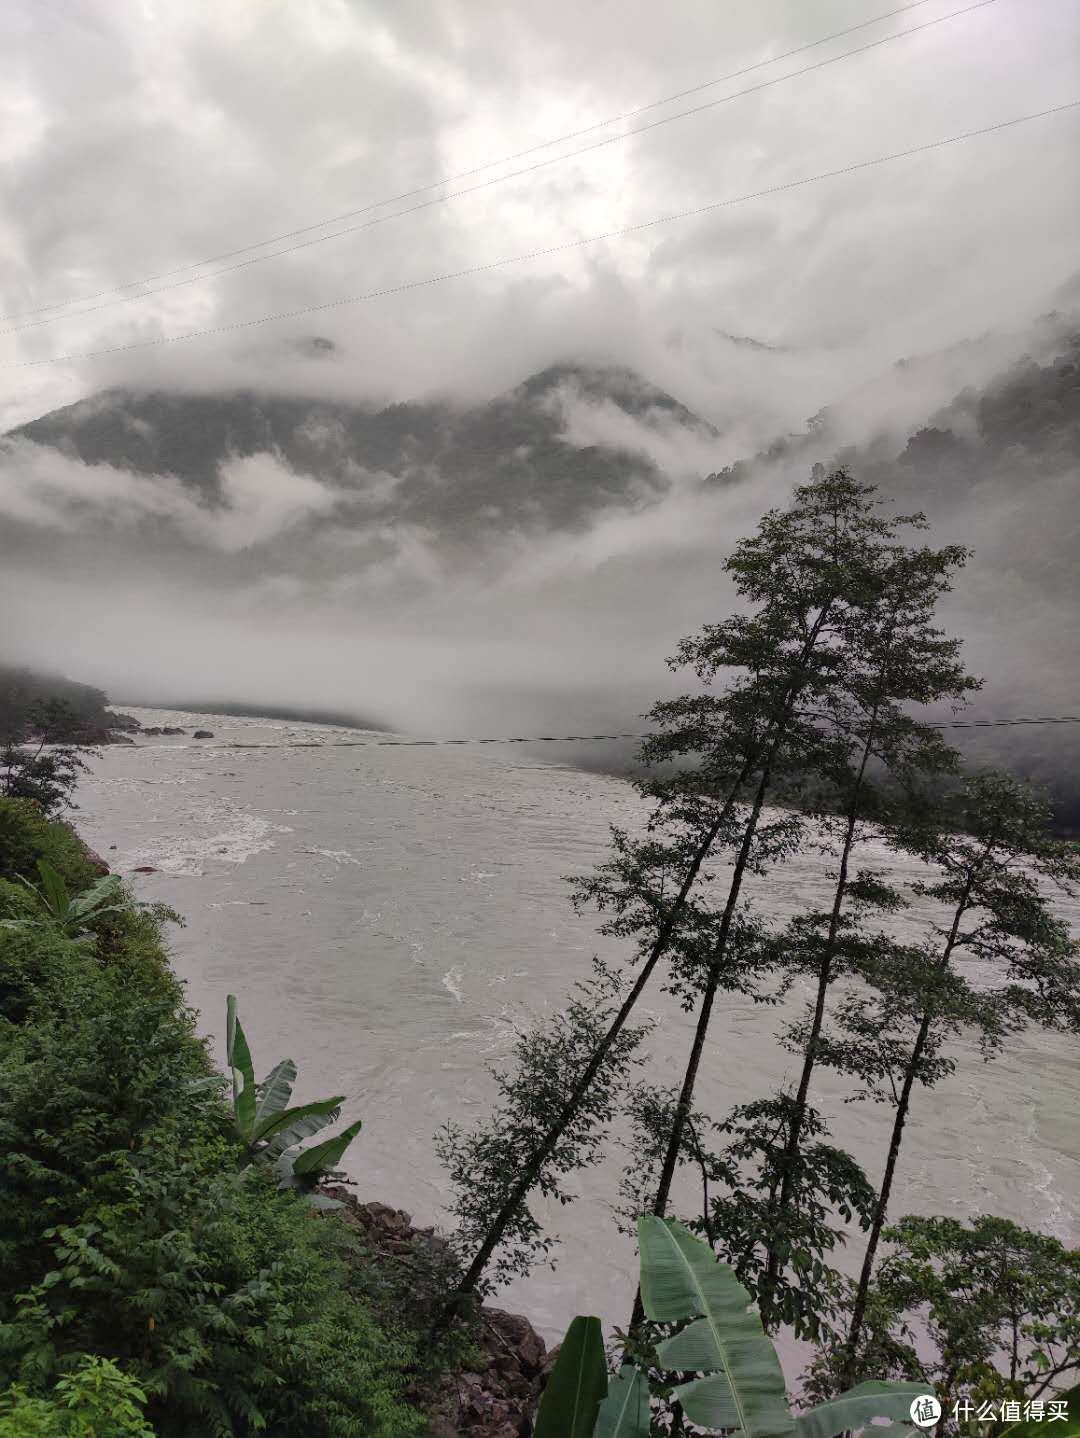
x: 391, y: 917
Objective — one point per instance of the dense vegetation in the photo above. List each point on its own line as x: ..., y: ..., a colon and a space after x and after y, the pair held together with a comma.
x: 145, y: 1260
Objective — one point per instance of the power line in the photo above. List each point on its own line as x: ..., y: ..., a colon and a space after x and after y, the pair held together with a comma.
x: 582, y: 738
x: 546, y: 250
x: 465, y: 174
x: 482, y: 185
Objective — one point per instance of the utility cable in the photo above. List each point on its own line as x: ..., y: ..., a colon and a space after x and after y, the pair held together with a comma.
x: 464, y: 174
x: 497, y: 179
x: 582, y: 738
x: 430, y: 280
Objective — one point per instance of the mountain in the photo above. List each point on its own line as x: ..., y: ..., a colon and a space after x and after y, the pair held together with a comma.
x: 457, y: 472
x: 404, y: 521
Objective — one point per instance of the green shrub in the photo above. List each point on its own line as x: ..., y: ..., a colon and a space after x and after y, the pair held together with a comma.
x: 96, y: 1400
x: 32, y: 958
x: 127, y: 1233
x: 228, y: 1300
x: 99, y: 1065
x: 26, y: 836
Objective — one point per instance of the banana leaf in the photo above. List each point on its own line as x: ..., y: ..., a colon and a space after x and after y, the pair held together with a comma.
x: 324, y: 1156
x: 290, y: 1128
x: 274, y: 1092
x: 854, y: 1409
x: 53, y: 889
x: 576, y: 1386
x: 1036, y: 1428
x: 624, y: 1413
x: 680, y: 1279
x: 243, y: 1072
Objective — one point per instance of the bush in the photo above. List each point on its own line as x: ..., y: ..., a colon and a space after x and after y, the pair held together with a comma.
x: 26, y: 836
x: 96, y: 1400
x: 128, y: 1234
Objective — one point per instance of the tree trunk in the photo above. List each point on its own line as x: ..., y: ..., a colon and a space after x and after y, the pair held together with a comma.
x: 798, y: 1117
x: 566, y: 1113
x: 775, y: 729
x: 858, y: 1311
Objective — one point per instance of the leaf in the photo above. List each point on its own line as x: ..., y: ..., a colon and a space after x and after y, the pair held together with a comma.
x: 323, y: 1202
x: 576, y: 1386
x: 324, y: 1156
x: 274, y: 1093
x: 855, y: 1408
x: 95, y: 896
x: 624, y: 1413
x: 53, y: 889
x: 243, y: 1073
x: 295, y: 1124
x: 680, y: 1278
x: 1036, y: 1428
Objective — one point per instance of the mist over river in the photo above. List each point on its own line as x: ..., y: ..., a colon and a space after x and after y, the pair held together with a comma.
x: 390, y: 917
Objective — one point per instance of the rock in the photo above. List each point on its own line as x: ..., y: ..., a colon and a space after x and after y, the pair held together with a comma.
x: 122, y: 721
x: 497, y: 1396
x: 93, y: 735
x: 202, y: 734
x: 520, y: 1337
x: 145, y: 869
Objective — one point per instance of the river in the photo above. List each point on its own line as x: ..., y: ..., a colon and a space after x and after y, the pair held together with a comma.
x: 391, y: 916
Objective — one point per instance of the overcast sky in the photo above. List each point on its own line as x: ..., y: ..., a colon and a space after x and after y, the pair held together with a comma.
x: 137, y: 136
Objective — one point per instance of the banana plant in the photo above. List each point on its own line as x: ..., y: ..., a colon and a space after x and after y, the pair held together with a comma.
x: 72, y: 913
x: 741, y: 1388
x: 271, y: 1131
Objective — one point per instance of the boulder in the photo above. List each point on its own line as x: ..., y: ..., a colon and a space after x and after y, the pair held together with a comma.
x: 202, y: 734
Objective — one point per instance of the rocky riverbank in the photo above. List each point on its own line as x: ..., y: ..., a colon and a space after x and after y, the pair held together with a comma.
x: 495, y: 1392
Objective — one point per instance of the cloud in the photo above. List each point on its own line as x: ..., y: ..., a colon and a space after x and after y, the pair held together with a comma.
x: 141, y: 136
x: 262, y: 498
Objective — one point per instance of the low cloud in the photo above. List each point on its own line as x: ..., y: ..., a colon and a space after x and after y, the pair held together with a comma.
x: 262, y: 498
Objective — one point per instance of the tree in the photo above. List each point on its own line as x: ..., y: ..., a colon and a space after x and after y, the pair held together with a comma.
x: 896, y: 656
x: 827, y: 543
x: 834, y: 570
x: 990, y: 875
x: 739, y: 1217
x: 984, y: 1310
x: 35, y: 764
x: 486, y: 1161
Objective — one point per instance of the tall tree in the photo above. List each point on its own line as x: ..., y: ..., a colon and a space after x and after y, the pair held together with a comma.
x: 829, y: 543
x: 868, y: 593
x: 1001, y: 961
x: 895, y: 656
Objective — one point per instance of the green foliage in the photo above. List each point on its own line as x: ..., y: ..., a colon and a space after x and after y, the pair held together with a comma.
x: 715, y: 1334
x: 38, y: 760
x: 486, y: 1162
x: 984, y: 1308
x: 73, y: 914
x: 271, y: 1131
x: 738, y: 1179
x: 577, y: 1386
x: 128, y: 1234
x: 95, y: 1400
x: 27, y: 836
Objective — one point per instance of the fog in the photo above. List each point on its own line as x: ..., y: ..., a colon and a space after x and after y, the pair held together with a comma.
x: 138, y: 138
